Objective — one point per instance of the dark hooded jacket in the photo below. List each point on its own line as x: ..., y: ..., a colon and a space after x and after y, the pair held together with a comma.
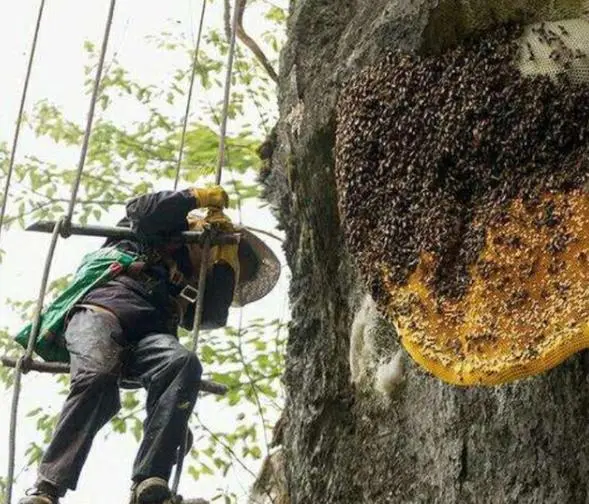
x: 144, y: 302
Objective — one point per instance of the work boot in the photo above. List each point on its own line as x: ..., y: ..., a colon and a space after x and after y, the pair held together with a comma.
x: 149, y: 491
x: 42, y: 493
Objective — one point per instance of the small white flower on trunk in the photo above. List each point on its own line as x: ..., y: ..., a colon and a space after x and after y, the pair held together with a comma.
x: 389, y: 374
x: 375, y: 357
x: 360, y: 346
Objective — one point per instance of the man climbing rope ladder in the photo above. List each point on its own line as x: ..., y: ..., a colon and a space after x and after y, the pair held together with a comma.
x: 123, y: 329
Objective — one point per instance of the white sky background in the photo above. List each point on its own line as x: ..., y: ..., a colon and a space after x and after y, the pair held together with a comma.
x: 58, y: 75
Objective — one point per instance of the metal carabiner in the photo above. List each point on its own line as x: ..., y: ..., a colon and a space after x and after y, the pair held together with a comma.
x: 189, y: 293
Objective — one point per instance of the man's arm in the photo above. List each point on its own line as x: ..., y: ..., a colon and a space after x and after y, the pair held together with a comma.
x: 161, y: 212
x: 165, y: 212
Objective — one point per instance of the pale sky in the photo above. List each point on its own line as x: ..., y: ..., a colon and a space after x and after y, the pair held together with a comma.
x: 58, y: 75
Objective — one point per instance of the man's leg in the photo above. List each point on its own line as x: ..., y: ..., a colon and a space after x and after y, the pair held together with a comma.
x: 171, y: 374
x: 94, y: 342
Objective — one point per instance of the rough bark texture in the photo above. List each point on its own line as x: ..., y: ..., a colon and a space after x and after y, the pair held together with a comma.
x: 428, y: 442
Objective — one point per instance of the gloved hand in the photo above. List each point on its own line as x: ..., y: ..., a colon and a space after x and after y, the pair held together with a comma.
x: 218, y: 220
x: 223, y: 253
x: 211, y: 197
x: 227, y: 253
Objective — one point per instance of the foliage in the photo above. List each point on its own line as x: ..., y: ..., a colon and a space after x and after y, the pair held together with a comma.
x: 2, y: 489
x: 126, y: 159
x: 249, y: 364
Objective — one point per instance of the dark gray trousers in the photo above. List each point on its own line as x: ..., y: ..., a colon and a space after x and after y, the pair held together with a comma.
x: 100, y: 358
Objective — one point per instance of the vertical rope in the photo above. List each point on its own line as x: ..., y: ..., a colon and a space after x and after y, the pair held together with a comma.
x: 223, y: 134
x: 228, y: 75
x: 90, y: 117
x: 12, y: 430
x: 202, y: 278
x: 57, y: 230
x: 206, y: 246
x: 189, y: 99
x: 202, y: 274
x: 20, y: 115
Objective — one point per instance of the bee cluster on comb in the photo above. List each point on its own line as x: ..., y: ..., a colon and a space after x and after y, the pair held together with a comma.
x: 429, y: 149
x: 451, y: 171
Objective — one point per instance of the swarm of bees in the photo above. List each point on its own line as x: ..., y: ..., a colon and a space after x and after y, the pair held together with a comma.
x: 432, y: 154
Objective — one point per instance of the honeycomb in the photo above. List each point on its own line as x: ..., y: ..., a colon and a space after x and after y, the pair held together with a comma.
x: 556, y: 49
x: 462, y: 181
x: 527, y: 307
x: 454, y: 20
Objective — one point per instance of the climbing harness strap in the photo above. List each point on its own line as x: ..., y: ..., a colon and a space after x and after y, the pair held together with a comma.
x: 189, y: 293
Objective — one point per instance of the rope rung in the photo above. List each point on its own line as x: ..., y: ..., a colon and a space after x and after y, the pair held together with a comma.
x: 59, y: 368
x: 125, y: 233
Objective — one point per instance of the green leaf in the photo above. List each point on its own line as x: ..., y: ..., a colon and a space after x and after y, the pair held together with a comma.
x: 89, y: 46
x: 34, y: 412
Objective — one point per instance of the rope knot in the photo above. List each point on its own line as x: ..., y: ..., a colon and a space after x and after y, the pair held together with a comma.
x: 24, y: 363
x: 65, y: 227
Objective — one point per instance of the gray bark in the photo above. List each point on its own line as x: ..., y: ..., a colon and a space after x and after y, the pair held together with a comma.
x: 429, y: 441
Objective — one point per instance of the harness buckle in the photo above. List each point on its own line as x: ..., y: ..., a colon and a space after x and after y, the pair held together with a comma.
x: 189, y: 293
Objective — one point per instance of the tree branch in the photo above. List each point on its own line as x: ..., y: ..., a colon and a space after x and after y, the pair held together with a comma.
x: 231, y: 453
x: 224, y: 445
x: 251, y: 44
x: 32, y: 210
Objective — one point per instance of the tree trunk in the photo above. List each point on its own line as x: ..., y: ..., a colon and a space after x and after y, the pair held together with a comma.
x: 428, y: 441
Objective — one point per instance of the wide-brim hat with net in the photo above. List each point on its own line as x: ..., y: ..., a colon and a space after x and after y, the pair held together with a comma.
x: 259, y: 269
